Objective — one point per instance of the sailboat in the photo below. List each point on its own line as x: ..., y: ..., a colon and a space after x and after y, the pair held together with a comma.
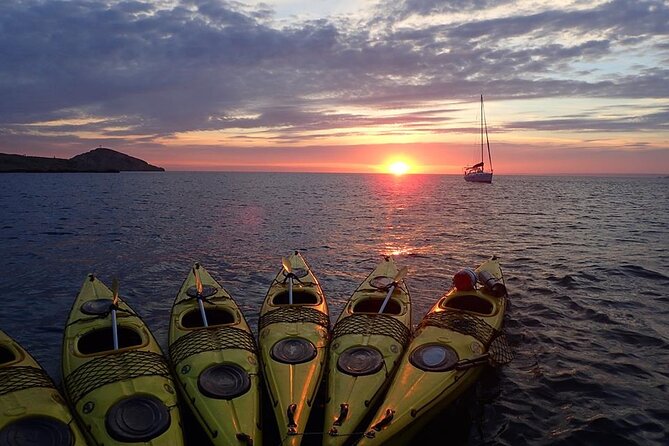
x: 477, y: 173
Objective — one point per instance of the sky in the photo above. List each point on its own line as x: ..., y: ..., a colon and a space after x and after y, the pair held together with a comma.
x: 575, y: 87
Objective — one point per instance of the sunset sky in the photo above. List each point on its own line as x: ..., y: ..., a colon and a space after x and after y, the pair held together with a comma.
x: 343, y: 86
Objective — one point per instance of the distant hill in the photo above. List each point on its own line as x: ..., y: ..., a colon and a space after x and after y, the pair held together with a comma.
x: 97, y: 160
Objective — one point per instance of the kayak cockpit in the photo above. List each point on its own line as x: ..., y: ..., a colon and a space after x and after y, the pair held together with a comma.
x: 7, y: 355
x: 215, y: 316
x: 373, y: 305
x: 471, y: 303
x: 101, y: 340
x: 300, y: 297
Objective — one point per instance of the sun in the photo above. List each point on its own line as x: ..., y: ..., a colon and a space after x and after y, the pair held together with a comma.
x: 398, y: 168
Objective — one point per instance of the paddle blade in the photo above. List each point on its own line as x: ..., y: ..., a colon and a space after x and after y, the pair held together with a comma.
x: 400, y: 274
x: 286, y: 265
x: 198, y: 282
x: 115, y: 291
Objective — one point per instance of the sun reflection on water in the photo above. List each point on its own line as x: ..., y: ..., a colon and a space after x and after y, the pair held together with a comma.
x: 405, y: 250
x: 400, y: 200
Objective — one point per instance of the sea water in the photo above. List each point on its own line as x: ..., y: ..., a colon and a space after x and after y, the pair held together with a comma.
x: 585, y: 260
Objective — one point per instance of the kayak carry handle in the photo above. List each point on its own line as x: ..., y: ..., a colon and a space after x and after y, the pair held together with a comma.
x: 343, y: 412
x: 292, y: 426
x: 244, y: 438
x: 387, y: 418
x: 464, y: 364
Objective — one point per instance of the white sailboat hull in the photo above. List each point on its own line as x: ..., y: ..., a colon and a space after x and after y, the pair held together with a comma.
x: 476, y: 173
x: 479, y: 177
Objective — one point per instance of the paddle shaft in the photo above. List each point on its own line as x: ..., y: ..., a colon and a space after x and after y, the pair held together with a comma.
x: 114, y: 328
x: 113, y: 313
x: 385, y: 301
x: 200, y: 304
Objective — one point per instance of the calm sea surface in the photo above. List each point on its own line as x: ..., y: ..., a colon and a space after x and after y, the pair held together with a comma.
x: 586, y: 261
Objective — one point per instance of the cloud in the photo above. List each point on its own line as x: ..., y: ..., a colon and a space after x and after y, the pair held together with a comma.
x: 154, y: 69
x: 651, y: 122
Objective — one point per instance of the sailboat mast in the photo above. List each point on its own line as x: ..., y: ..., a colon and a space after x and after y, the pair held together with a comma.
x: 483, y: 121
x: 481, y: 128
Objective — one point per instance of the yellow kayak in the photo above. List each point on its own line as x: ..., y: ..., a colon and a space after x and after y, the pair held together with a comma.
x: 366, y: 346
x: 32, y: 411
x: 216, y: 366
x: 457, y: 337
x: 124, y: 395
x: 293, y: 337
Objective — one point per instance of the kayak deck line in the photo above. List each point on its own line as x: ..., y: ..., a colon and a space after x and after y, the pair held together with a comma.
x: 114, y: 368
x: 373, y: 324
x: 14, y: 379
x: 211, y: 339
x: 294, y: 314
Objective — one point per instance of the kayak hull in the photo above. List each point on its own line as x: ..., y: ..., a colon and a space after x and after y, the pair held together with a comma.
x: 293, y: 342
x: 225, y: 350
x: 355, y: 385
x: 119, y: 396
x: 464, y: 323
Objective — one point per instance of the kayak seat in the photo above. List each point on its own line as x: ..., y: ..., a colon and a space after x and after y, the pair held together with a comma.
x: 471, y: 303
x: 101, y: 340
x: 299, y: 298
x: 6, y: 355
x: 215, y: 316
x: 373, y: 305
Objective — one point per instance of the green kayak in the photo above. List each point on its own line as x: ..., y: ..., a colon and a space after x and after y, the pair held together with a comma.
x: 215, y: 362
x: 32, y: 410
x: 293, y: 332
x: 121, y: 394
x: 451, y: 345
x: 368, y: 341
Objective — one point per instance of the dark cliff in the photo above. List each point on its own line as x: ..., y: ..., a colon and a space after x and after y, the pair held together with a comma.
x: 97, y: 160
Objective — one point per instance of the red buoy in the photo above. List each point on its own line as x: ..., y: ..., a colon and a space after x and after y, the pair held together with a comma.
x: 465, y: 279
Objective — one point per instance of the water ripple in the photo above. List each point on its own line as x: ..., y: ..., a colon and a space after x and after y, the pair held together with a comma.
x: 585, y: 261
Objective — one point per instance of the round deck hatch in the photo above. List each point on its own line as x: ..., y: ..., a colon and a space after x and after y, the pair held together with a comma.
x: 434, y: 357
x: 96, y: 307
x: 137, y: 419
x: 224, y: 381
x: 207, y: 291
x: 293, y: 351
x: 381, y: 282
x: 44, y: 431
x: 297, y: 272
x: 358, y: 361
